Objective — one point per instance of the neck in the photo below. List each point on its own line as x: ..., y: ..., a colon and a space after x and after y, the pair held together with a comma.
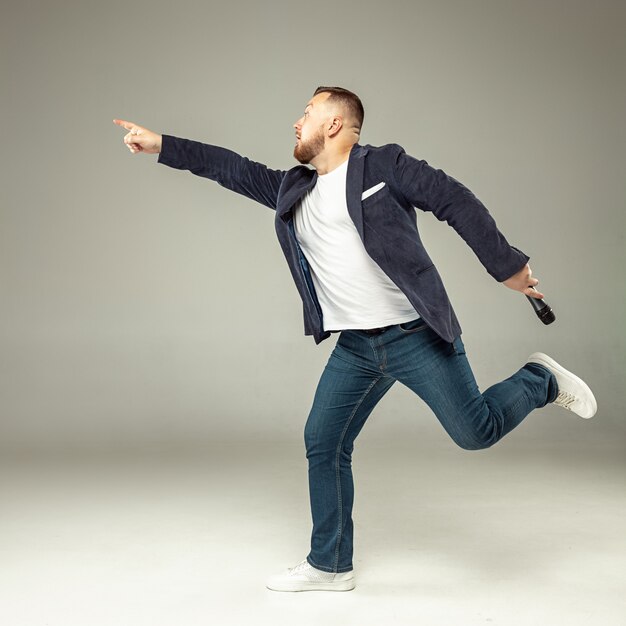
x: 327, y: 160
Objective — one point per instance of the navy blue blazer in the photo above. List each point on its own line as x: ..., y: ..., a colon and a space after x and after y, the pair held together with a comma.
x: 385, y: 219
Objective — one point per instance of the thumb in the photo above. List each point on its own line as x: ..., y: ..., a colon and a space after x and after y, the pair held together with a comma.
x: 533, y: 293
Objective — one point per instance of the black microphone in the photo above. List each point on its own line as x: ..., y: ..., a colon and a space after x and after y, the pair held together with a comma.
x: 543, y: 311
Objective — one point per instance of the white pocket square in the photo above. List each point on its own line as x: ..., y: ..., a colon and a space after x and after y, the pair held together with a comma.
x: 368, y: 192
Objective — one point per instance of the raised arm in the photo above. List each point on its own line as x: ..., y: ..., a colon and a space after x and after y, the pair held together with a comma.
x: 237, y: 173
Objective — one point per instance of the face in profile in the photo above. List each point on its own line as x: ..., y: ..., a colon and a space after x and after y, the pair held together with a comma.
x: 310, y: 137
x: 306, y: 151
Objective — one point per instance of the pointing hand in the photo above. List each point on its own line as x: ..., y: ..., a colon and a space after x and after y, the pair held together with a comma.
x: 140, y: 139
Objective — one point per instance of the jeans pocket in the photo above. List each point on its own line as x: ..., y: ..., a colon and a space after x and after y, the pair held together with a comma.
x: 413, y: 326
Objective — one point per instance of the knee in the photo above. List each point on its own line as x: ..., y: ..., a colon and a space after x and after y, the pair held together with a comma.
x: 473, y: 444
x: 472, y: 434
x: 326, y: 445
x: 473, y: 441
x: 310, y: 438
x: 314, y: 439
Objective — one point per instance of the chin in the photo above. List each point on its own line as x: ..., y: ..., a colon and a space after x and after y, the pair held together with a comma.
x: 298, y: 158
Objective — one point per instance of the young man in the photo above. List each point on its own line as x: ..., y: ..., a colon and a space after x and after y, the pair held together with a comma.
x: 348, y: 230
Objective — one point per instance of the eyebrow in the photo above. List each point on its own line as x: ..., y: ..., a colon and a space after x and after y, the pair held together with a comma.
x: 307, y: 106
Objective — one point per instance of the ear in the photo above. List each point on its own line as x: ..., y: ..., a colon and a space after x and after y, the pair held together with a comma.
x: 334, y: 125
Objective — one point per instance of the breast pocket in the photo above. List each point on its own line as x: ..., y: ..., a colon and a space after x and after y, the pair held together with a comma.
x: 376, y: 189
x: 380, y: 206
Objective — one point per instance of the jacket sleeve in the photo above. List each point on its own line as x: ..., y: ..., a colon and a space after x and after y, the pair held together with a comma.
x: 231, y: 170
x: 433, y: 190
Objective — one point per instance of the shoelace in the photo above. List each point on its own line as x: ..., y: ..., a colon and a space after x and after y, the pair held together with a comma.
x: 300, y: 567
x: 565, y: 399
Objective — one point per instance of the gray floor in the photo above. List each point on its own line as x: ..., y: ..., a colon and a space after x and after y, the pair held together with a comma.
x: 511, y: 535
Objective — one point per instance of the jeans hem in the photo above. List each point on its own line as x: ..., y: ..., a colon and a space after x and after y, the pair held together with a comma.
x: 338, y: 570
x: 553, y: 387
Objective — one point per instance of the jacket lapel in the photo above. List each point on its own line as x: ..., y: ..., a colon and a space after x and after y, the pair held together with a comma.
x: 354, y: 185
x: 304, y: 179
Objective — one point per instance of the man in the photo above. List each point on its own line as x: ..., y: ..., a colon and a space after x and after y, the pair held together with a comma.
x: 348, y: 230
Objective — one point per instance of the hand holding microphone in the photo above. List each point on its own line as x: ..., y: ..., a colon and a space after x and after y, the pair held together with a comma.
x: 523, y: 281
x: 541, y: 308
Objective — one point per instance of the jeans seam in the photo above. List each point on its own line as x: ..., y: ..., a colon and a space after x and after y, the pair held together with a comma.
x: 338, y: 473
x: 383, y: 354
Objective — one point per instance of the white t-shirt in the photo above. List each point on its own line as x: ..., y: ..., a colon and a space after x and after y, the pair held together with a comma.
x: 352, y: 289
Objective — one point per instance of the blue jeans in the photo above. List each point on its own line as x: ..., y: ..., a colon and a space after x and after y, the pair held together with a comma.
x: 360, y: 370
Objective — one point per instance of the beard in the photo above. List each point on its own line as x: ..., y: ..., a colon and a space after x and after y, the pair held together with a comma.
x: 305, y: 152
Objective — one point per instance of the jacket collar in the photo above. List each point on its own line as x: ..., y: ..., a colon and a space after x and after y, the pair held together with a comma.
x: 303, y: 179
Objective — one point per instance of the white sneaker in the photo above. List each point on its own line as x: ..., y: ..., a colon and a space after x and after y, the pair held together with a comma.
x: 574, y: 394
x: 305, y: 577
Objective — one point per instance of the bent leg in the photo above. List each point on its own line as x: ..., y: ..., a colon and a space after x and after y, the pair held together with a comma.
x: 346, y: 394
x: 440, y: 374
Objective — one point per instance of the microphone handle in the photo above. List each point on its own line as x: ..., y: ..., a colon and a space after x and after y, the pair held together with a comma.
x: 542, y: 309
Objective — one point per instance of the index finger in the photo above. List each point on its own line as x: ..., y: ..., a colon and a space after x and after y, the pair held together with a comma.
x: 125, y: 124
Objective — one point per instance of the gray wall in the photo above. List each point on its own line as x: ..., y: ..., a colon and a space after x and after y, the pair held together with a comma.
x: 127, y: 288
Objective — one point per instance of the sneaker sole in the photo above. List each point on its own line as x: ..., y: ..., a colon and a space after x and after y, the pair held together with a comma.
x: 342, y: 585
x: 550, y: 363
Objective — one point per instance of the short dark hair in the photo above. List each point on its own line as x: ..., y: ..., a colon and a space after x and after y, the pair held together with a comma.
x: 346, y: 98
